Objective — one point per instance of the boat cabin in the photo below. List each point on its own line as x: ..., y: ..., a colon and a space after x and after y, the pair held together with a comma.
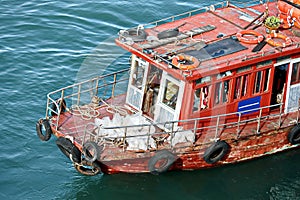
x: 208, y: 69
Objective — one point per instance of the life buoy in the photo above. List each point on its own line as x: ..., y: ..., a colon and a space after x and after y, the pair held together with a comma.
x: 69, y: 149
x: 294, y: 135
x: 292, y: 13
x: 285, y: 23
x: 161, y: 162
x: 287, y: 41
x: 43, y: 124
x: 185, y: 62
x: 62, y: 107
x: 216, y: 152
x: 88, y: 168
x: 250, y: 40
x: 91, y: 151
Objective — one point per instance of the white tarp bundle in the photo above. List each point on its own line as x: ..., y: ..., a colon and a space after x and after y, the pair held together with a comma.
x: 182, y: 137
x: 137, y: 137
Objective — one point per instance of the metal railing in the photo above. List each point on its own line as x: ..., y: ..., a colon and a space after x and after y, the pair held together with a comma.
x: 217, y: 123
x: 105, y: 86
x: 201, y: 10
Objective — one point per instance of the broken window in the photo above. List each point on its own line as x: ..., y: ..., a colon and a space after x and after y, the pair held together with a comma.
x: 221, y: 92
x: 201, y: 98
x: 138, y: 74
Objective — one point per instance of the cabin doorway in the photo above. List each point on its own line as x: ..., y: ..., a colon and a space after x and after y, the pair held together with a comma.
x: 137, y: 82
x: 152, y: 89
x: 279, y: 82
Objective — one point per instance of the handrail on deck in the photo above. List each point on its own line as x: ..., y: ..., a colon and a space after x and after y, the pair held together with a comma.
x: 217, y: 126
x: 77, y: 90
x: 191, y: 13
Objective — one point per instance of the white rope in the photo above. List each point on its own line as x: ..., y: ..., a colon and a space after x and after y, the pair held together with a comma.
x: 88, y: 112
x: 114, y: 109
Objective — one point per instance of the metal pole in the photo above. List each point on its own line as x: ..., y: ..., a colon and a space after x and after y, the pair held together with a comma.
x: 238, y: 127
x: 258, y: 123
x: 217, y: 127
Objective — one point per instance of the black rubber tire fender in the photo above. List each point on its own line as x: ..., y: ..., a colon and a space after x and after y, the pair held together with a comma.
x: 43, y: 124
x: 136, y: 35
x: 294, y: 135
x: 61, y: 104
x: 91, y: 151
x: 216, y: 152
x: 69, y: 149
x: 161, y: 162
x: 88, y: 168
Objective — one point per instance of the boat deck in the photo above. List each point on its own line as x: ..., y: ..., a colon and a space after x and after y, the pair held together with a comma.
x: 218, y: 25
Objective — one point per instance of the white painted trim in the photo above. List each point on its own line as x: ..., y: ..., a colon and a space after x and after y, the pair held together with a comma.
x: 160, y: 105
x: 141, y: 91
x: 289, y: 83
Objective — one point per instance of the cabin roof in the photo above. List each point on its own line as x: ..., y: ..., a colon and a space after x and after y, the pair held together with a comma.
x: 209, y: 36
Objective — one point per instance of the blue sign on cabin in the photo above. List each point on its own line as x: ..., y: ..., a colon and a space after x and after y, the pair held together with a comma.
x: 249, y: 105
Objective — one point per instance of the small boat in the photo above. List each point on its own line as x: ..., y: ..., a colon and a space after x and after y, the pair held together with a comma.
x: 213, y: 86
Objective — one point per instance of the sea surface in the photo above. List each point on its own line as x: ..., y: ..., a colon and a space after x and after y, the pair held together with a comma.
x: 46, y: 45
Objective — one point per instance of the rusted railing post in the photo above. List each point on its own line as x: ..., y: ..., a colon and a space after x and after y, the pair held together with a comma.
x: 280, y: 112
x: 114, y: 85
x: 258, y: 122
x: 217, y: 127
x: 238, y: 126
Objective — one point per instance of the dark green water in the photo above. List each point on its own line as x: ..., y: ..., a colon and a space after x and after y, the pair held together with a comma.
x: 45, y: 45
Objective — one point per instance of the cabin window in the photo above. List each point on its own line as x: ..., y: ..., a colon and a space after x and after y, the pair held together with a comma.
x: 266, y: 79
x: 295, y: 73
x: 201, y: 98
x: 265, y: 63
x: 261, y: 81
x: 170, y: 94
x: 203, y: 80
x: 257, y: 84
x: 221, y: 75
x: 243, y: 69
x: 138, y: 74
x: 241, y: 85
x: 221, y: 92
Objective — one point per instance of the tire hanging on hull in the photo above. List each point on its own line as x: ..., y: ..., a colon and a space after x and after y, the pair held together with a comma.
x: 294, y: 135
x: 62, y: 107
x: 69, y: 149
x: 216, y: 152
x: 88, y: 168
x: 91, y: 151
x: 43, y: 124
x: 161, y: 162
x: 83, y: 166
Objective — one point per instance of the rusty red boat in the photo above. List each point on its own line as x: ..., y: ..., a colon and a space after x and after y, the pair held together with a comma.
x: 209, y: 87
